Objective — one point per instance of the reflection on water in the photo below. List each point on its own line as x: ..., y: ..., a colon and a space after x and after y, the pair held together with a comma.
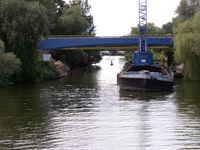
x: 88, y: 111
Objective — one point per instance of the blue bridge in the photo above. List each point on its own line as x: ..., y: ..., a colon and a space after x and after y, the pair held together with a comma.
x: 69, y: 43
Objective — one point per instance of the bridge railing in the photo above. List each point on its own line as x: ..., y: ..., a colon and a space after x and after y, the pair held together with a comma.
x: 89, y: 36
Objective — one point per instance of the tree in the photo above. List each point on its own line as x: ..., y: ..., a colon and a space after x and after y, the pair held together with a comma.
x: 89, y: 18
x: 60, y: 5
x: 187, y: 43
x: 187, y: 9
x: 167, y: 28
x: 153, y: 30
x: 9, y: 64
x: 71, y: 22
x: 134, y: 31
x: 75, y: 20
x: 22, y: 23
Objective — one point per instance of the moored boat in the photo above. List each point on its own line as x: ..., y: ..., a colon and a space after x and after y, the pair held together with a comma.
x: 141, y: 73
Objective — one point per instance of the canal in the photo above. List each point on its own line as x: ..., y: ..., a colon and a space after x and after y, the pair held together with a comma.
x: 87, y: 111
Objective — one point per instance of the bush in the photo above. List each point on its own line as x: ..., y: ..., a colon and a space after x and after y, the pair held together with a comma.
x: 187, y: 44
x: 48, y: 70
x: 9, y: 65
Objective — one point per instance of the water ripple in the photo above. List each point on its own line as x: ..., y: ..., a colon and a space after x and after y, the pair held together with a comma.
x: 89, y: 112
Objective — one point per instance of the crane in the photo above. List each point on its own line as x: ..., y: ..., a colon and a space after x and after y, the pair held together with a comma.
x: 143, y: 25
x: 142, y: 56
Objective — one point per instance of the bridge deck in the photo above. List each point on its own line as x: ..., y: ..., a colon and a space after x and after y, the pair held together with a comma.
x: 60, y: 43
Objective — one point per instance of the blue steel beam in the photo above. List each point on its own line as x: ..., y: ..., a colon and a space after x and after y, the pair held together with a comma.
x: 60, y: 43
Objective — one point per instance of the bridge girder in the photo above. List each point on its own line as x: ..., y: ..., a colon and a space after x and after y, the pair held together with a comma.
x: 101, y: 43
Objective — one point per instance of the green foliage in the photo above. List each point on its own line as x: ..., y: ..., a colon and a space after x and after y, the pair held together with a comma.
x: 60, y: 5
x: 187, y: 9
x: 187, y: 44
x: 93, y: 56
x: 167, y: 28
x: 48, y: 70
x: 1, y: 46
x: 153, y: 30
x: 75, y: 20
x: 9, y: 64
x: 71, y: 22
x: 134, y: 31
x: 22, y: 24
x: 159, y: 56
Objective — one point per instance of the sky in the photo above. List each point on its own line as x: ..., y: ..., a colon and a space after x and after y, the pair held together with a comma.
x: 116, y: 17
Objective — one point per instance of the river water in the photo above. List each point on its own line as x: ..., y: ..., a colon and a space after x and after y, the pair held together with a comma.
x: 87, y: 111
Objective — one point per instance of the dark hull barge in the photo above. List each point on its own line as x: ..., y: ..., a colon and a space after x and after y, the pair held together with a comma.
x: 143, y: 75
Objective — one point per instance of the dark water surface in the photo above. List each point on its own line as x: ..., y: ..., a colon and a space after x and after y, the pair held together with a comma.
x: 88, y: 112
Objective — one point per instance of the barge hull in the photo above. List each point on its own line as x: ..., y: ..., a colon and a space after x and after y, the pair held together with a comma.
x: 138, y: 84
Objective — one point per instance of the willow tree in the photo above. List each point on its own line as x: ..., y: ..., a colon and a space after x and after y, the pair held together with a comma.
x: 22, y: 23
x: 9, y: 64
x: 187, y: 9
x: 187, y: 44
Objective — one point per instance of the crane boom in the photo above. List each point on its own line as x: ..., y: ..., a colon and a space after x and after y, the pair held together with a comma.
x: 143, y: 25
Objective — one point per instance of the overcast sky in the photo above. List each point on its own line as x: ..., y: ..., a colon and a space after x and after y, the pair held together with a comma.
x: 116, y: 17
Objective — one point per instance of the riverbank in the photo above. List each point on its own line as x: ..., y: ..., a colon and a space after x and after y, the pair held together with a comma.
x: 63, y: 70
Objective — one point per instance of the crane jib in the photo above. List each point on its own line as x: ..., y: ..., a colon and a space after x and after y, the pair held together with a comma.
x: 143, y: 25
